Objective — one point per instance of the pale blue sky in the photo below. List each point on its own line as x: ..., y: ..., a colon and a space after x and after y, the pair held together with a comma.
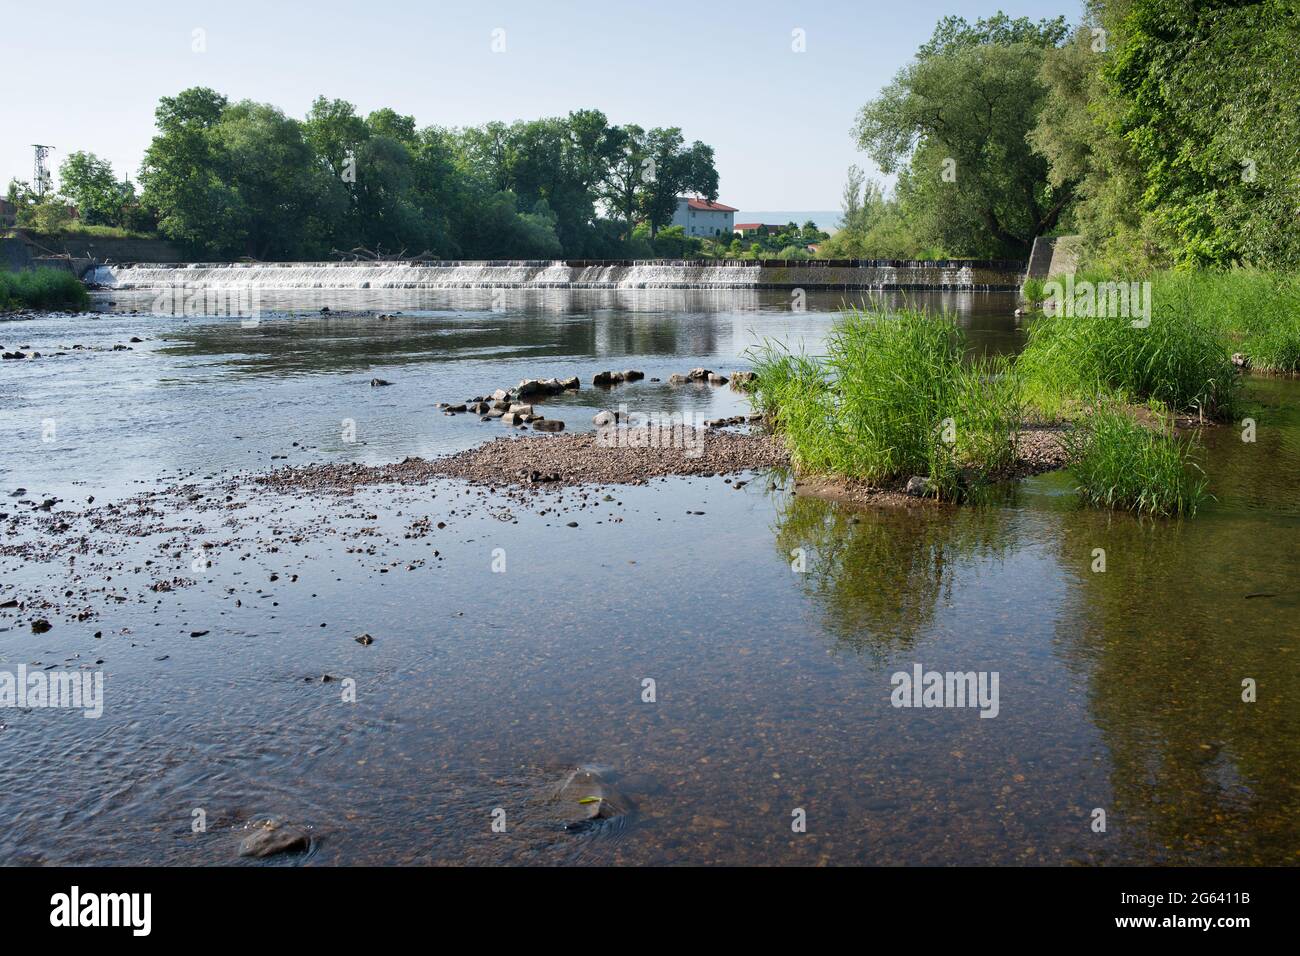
x: 82, y: 75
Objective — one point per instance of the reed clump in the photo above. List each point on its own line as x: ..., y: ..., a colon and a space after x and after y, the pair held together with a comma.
x: 42, y: 289
x: 893, y: 397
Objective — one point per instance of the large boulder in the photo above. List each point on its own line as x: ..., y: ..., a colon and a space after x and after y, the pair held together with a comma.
x: 548, y: 425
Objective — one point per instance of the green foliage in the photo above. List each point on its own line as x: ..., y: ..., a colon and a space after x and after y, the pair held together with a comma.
x: 244, y: 180
x: 1120, y: 464
x: 90, y: 185
x: 891, y: 399
x: 1176, y: 360
x: 955, y: 122
x: 42, y: 289
x: 1033, y: 291
x: 1182, y: 128
x: 673, y: 243
x: 1256, y: 312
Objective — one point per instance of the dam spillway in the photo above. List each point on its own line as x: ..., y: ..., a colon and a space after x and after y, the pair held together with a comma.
x: 874, y: 274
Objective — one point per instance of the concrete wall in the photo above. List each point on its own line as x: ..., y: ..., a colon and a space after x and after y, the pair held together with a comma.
x: 106, y: 249
x: 15, y: 255
x: 1053, y: 256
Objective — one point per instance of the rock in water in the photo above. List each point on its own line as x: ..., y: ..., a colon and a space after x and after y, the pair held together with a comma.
x: 270, y: 838
x: 548, y: 425
x: 585, y: 796
x: 918, y: 487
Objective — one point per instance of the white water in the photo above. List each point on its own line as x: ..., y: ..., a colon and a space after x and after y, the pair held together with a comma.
x: 545, y: 275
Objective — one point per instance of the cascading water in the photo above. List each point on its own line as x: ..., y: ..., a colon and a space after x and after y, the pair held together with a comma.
x: 560, y: 274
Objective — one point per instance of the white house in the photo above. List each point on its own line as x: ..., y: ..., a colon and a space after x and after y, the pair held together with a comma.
x: 699, y: 217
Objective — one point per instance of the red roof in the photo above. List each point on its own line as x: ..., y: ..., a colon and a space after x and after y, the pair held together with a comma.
x: 709, y: 206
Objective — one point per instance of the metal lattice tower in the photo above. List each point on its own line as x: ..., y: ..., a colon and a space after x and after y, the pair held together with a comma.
x: 41, y: 173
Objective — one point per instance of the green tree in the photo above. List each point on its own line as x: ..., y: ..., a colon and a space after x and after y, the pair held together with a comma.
x: 956, y: 119
x: 89, y: 183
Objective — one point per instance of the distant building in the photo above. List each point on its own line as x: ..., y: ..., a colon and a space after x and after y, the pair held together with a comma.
x: 699, y: 217
x: 8, y: 212
x: 757, y: 229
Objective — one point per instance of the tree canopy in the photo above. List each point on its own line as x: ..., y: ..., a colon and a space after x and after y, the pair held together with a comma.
x: 243, y: 179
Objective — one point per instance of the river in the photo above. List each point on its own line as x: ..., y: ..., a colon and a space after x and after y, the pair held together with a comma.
x: 510, y: 647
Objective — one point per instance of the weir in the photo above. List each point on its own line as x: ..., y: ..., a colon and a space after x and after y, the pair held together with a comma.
x: 878, y: 274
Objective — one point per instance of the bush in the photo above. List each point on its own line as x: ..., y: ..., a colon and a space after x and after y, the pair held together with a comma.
x: 42, y: 289
x: 1118, y: 463
x: 892, y: 399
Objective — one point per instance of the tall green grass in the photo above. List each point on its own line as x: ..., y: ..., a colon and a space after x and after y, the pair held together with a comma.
x: 1256, y: 311
x: 1033, y: 291
x: 1120, y: 464
x: 1177, y: 361
x: 42, y: 289
x: 892, y: 398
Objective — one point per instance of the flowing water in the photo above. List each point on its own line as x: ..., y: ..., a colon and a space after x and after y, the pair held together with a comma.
x: 484, y: 689
x: 564, y: 274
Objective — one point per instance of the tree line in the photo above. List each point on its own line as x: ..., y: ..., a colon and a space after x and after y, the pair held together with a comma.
x: 243, y: 180
x: 1164, y: 132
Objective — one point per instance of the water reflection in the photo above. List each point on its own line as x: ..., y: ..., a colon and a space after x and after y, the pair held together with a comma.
x: 879, y: 575
x: 1182, y: 615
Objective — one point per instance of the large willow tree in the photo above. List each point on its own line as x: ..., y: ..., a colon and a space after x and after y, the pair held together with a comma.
x: 954, y: 123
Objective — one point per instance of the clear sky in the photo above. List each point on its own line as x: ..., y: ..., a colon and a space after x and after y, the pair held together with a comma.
x: 82, y: 75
